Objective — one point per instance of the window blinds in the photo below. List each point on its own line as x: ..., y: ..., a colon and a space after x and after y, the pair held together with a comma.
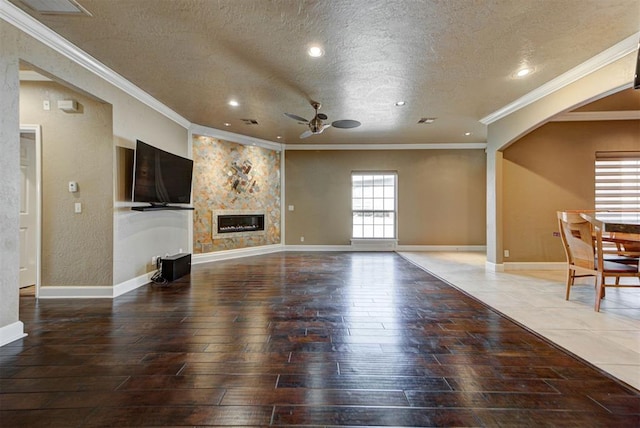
x: 617, y: 185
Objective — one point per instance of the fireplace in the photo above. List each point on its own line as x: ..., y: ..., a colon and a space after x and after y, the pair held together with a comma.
x: 229, y: 224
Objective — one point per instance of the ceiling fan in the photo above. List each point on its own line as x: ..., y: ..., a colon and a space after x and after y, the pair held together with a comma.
x: 316, y: 125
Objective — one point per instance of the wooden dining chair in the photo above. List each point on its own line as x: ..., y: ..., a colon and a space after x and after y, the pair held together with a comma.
x: 582, y: 240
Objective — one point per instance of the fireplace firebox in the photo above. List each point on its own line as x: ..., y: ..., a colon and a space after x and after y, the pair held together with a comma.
x: 234, y: 223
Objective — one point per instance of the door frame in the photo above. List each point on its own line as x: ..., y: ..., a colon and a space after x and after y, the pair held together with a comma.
x: 37, y: 131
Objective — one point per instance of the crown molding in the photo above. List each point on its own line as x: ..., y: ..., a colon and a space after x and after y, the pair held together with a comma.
x: 233, y: 137
x: 24, y: 22
x: 589, y: 116
x: 604, y: 58
x: 434, y: 146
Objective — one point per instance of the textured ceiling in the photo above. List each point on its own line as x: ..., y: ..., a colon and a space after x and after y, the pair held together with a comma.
x: 449, y: 59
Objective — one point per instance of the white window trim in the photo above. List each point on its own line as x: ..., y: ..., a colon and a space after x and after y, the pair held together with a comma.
x: 380, y: 243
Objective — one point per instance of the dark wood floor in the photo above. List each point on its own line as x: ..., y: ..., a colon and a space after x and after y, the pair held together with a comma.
x: 339, y: 339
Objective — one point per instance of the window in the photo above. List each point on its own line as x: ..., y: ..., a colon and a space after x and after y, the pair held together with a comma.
x: 618, y: 183
x: 373, y: 197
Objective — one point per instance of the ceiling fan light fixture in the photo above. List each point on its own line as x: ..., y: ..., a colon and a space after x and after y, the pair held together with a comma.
x: 315, y: 125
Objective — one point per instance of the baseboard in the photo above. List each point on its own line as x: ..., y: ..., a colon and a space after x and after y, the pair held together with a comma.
x: 94, y: 291
x: 534, y: 266
x: 132, y: 284
x: 76, y: 292
x: 443, y: 248
x: 493, y: 267
x: 235, y: 254
x: 318, y: 248
x: 387, y: 247
x: 12, y: 332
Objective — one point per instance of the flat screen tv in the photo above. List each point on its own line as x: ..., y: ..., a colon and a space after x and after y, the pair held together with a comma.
x: 160, y: 178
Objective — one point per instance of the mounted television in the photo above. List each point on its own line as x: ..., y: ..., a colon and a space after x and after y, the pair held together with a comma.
x: 160, y: 178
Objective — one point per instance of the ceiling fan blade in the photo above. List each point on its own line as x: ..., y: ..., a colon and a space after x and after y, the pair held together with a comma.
x: 306, y: 134
x: 296, y: 117
x: 321, y: 116
x: 346, y: 124
x: 328, y: 125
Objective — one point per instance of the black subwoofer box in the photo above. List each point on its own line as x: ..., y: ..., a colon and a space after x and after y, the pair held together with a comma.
x: 176, y: 266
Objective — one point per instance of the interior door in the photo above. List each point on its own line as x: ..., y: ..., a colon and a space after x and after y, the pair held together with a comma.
x: 28, y: 207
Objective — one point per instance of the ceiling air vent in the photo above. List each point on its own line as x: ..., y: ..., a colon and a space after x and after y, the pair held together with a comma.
x: 427, y: 120
x: 56, y: 7
x: 249, y: 121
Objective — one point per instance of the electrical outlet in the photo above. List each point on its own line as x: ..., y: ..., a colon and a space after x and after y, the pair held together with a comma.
x: 302, y: 239
x: 506, y: 253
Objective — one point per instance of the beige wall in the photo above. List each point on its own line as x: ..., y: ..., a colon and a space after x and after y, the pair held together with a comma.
x: 504, y: 131
x: 441, y: 195
x: 136, y: 236
x: 10, y: 326
x: 552, y: 169
x: 77, y: 249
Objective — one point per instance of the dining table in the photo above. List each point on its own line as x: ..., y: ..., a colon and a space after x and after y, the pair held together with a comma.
x: 614, y: 221
x: 620, y: 230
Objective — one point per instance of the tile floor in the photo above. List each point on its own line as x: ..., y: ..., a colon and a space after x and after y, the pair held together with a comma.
x: 610, y: 339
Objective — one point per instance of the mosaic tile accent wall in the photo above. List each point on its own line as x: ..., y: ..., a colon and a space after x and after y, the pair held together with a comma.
x: 229, y: 176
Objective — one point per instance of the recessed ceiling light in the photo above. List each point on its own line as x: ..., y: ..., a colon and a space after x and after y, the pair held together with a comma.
x: 279, y: 137
x: 522, y: 72
x: 467, y: 133
x: 400, y: 103
x: 227, y: 124
x: 315, y: 51
x: 234, y: 103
